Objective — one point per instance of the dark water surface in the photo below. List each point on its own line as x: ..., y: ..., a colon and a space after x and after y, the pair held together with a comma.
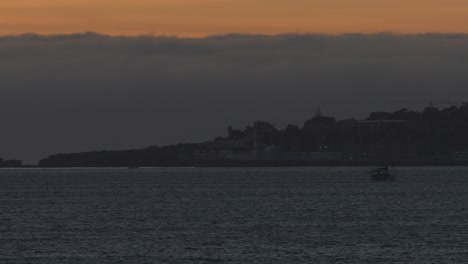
x: 233, y: 215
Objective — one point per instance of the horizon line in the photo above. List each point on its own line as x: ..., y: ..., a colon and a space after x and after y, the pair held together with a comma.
x: 203, y: 36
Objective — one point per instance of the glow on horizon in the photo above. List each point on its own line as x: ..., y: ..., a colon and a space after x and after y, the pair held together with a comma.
x: 207, y: 17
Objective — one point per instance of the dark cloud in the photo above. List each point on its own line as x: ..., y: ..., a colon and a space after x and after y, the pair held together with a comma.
x: 88, y: 91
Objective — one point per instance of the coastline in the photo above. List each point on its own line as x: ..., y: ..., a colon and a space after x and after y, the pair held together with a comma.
x: 268, y: 163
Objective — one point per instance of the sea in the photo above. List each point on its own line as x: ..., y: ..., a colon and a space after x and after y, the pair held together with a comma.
x: 233, y: 215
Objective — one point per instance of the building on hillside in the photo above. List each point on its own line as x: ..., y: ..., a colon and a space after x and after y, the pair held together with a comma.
x: 401, y: 139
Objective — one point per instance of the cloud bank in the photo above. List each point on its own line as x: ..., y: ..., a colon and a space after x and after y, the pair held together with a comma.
x: 67, y: 93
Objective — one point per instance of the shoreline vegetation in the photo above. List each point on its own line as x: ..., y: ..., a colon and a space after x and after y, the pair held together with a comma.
x: 10, y: 163
x: 432, y: 137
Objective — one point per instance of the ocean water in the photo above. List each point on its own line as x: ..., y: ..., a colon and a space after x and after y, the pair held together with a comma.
x: 233, y: 215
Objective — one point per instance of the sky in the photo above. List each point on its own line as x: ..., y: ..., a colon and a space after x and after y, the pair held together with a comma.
x: 159, y: 72
x: 196, y: 18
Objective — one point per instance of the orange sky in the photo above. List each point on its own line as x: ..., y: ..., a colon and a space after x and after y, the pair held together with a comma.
x: 205, y: 17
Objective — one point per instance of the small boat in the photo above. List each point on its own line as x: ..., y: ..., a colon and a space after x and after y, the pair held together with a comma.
x: 382, y: 174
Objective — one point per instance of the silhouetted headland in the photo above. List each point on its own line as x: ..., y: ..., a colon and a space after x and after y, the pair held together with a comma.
x: 430, y: 137
x: 10, y: 163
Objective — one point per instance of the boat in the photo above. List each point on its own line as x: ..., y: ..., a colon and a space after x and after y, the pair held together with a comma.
x: 382, y: 174
x: 133, y: 167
